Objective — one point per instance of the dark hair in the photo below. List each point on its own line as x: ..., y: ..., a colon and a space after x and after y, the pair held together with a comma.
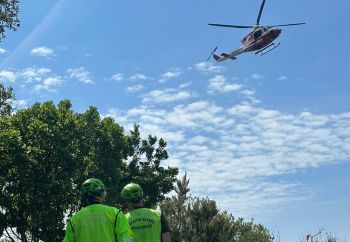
x: 90, y: 198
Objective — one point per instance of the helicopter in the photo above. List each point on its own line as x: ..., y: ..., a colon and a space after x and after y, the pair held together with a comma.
x: 260, y: 39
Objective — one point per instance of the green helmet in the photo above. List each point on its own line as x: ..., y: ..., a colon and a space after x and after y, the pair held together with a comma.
x: 132, y: 192
x: 92, y: 186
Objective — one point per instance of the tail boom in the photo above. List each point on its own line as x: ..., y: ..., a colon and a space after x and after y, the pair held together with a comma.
x: 223, y: 57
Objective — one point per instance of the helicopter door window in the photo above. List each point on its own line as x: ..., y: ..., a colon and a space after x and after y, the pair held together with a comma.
x: 257, y: 34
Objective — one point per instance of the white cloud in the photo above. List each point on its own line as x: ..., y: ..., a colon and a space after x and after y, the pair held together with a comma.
x: 256, y: 76
x: 185, y: 85
x: 39, y: 79
x: 249, y: 95
x: 260, y: 196
x: 165, y: 96
x: 242, y: 109
x: 117, y: 77
x: 138, y: 76
x: 80, y: 74
x: 52, y: 81
x: 218, y: 84
x: 49, y: 84
x: 20, y: 103
x: 247, y: 92
x: 135, y: 88
x: 2, y: 51
x: 208, y: 67
x: 7, y: 76
x: 198, y: 139
x: 169, y: 75
x: 282, y: 78
x: 34, y: 74
x: 241, y: 147
x: 42, y: 51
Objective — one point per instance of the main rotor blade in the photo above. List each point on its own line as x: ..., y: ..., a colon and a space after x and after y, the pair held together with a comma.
x: 232, y: 26
x: 281, y: 25
x: 260, y: 11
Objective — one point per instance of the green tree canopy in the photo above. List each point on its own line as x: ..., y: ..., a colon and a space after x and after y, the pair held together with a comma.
x: 199, y: 220
x: 47, y: 151
x: 6, y: 100
x: 8, y: 16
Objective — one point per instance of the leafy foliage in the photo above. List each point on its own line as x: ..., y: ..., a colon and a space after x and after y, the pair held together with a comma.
x: 199, y: 219
x: 144, y: 167
x: 47, y: 151
x: 6, y: 100
x: 329, y: 237
x: 8, y: 16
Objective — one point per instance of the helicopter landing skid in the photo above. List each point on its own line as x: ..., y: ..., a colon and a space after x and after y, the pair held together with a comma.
x: 263, y: 52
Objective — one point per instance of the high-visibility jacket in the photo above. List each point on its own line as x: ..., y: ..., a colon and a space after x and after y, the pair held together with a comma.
x: 145, y: 224
x: 98, y: 223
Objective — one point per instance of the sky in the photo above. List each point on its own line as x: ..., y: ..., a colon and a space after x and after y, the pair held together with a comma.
x: 267, y: 137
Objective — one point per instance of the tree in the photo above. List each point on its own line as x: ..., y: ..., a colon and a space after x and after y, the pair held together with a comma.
x: 199, y: 219
x: 47, y: 151
x: 330, y: 237
x: 40, y: 160
x: 8, y: 16
x: 6, y: 100
x: 144, y: 167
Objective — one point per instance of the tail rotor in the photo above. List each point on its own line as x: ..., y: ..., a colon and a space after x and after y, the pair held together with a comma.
x: 211, y: 54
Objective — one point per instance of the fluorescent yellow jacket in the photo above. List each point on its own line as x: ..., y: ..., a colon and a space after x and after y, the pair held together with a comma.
x: 98, y: 223
x: 145, y: 224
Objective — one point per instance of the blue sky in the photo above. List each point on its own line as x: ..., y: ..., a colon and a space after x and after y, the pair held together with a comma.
x: 266, y: 137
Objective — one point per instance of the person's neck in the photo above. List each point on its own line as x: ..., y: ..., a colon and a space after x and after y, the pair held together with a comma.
x: 98, y: 200
x: 137, y: 205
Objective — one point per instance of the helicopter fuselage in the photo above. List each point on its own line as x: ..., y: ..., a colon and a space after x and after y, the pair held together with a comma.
x: 260, y: 38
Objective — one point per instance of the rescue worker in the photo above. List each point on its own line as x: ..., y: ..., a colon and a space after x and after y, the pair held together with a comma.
x: 95, y: 221
x: 148, y: 225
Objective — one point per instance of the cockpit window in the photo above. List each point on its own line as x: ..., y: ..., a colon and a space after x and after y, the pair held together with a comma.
x: 257, y: 34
